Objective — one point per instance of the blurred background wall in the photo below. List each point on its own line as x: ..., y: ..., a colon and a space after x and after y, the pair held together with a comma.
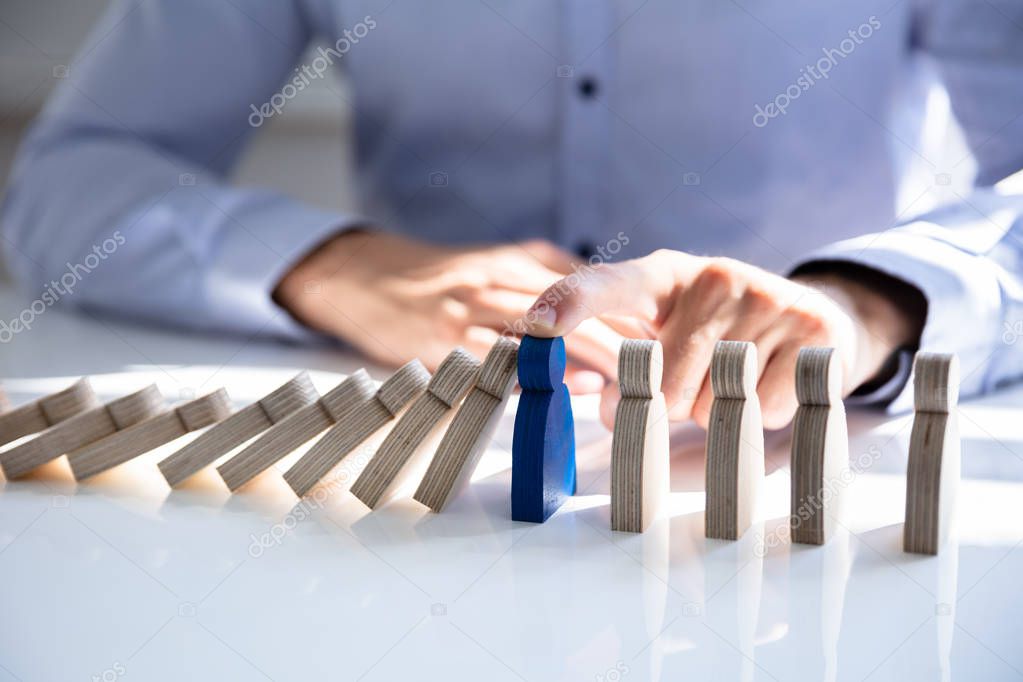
x: 302, y: 152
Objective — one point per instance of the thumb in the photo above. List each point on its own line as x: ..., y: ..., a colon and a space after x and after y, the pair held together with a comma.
x: 635, y: 288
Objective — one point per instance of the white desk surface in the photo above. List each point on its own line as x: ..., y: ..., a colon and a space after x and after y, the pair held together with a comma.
x: 122, y: 577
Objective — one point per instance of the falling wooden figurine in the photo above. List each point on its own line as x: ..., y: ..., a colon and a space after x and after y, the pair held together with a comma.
x: 393, y: 396
x: 406, y: 449
x: 244, y: 424
x: 932, y: 478
x: 46, y: 411
x: 735, y: 441
x: 80, y: 430
x: 296, y: 429
x: 472, y: 428
x: 543, y: 443
x: 639, y: 449
x: 144, y: 436
x: 820, y: 447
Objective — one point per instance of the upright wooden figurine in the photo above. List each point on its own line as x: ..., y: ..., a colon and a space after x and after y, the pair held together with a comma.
x: 820, y: 447
x: 735, y: 441
x: 404, y: 451
x: 472, y: 428
x: 639, y: 449
x: 932, y: 479
x: 543, y: 443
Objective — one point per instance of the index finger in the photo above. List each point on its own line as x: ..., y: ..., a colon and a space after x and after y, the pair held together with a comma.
x: 638, y: 288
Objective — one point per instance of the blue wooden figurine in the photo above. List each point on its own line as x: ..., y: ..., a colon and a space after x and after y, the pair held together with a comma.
x: 543, y: 445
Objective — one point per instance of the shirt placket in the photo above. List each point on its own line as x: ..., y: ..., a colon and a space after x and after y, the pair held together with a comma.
x: 585, y: 125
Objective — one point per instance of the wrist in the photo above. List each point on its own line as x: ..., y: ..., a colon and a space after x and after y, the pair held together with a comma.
x: 299, y: 291
x: 888, y: 313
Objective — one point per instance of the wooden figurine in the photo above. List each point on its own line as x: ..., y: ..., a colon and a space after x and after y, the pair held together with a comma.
x: 80, y: 430
x: 296, y: 429
x: 735, y: 441
x: 820, y: 447
x: 144, y: 436
x: 639, y: 449
x: 403, y: 451
x: 244, y: 424
x: 543, y: 442
x: 49, y: 410
x: 932, y: 479
x: 393, y: 396
x: 472, y: 429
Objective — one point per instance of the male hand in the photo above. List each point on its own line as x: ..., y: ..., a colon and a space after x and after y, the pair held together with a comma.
x: 396, y: 299
x: 690, y: 302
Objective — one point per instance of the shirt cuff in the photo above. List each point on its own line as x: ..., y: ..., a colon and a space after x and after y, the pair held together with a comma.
x: 963, y: 300
x: 267, y: 236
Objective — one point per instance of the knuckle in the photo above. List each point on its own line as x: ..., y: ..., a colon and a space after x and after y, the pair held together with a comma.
x: 759, y: 302
x: 810, y: 323
x: 717, y: 275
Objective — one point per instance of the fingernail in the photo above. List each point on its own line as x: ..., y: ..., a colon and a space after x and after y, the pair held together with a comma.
x: 544, y: 316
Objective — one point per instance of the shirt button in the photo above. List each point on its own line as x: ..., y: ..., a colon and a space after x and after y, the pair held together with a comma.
x: 585, y: 250
x: 588, y: 87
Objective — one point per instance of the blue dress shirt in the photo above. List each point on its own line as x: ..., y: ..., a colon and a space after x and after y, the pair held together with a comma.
x: 777, y: 133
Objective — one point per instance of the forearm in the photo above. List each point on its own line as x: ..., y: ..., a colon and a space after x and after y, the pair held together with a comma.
x: 967, y: 266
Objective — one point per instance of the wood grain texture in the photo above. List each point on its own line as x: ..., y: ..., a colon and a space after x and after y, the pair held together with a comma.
x: 543, y: 443
x: 820, y: 448
x: 735, y: 442
x: 5, y: 402
x: 80, y: 430
x: 241, y: 426
x: 393, y: 396
x: 296, y: 429
x: 472, y: 428
x: 46, y: 411
x: 639, y: 448
x: 146, y: 435
x: 403, y: 453
x: 933, y: 473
